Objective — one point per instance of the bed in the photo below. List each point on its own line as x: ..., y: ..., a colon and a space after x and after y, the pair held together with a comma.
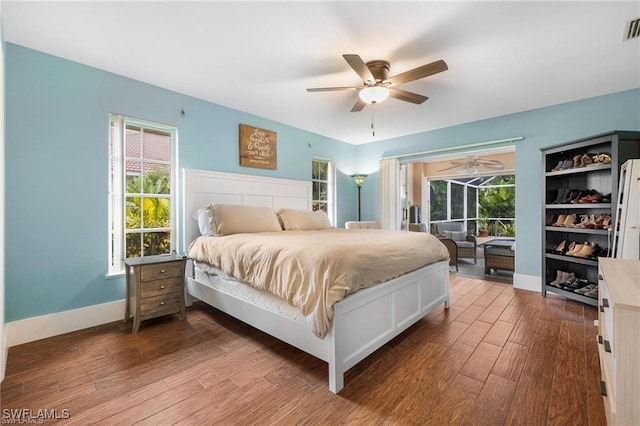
x: 361, y: 322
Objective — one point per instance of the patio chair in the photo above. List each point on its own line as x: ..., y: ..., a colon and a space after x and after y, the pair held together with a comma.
x: 466, y: 244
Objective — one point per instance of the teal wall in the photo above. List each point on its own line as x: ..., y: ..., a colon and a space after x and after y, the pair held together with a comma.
x: 56, y: 171
x: 56, y: 167
x: 540, y: 128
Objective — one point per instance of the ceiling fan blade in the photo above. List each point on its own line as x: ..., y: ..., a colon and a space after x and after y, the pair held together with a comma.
x: 332, y: 89
x: 403, y: 95
x: 458, y: 166
x: 359, y: 105
x: 492, y: 166
x: 482, y: 161
x: 358, y: 65
x: 418, y: 73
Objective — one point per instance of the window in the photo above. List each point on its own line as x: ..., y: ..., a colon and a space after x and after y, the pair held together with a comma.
x: 142, y: 208
x: 323, y: 187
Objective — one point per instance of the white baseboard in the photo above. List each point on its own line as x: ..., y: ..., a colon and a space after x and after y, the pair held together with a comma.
x: 527, y: 282
x: 36, y: 328
x: 5, y: 352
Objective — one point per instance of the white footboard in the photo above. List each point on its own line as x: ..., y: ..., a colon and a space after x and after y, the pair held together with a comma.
x: 362, y: 323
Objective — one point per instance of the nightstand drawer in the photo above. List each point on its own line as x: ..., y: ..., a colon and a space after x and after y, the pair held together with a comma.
x: 165, y: 302
x: 159, y: 287
x: 161, y: 270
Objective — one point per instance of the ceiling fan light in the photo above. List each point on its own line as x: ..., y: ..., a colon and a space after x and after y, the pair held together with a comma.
x: 374, y: 94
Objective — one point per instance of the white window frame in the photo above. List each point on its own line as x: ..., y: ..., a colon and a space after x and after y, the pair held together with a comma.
x: 331, y: 186
x: 117, y: 187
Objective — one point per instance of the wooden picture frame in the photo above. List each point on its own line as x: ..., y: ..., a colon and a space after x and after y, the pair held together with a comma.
x: 258, y: 147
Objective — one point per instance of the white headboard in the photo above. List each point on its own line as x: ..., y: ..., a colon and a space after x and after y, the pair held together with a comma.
x: 202, y: 188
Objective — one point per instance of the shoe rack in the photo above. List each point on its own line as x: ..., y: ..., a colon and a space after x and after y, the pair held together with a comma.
x: 580, y: 189
x: 626, y: 234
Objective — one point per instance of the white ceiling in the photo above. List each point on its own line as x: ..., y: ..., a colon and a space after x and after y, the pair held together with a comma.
x: 259, y: 57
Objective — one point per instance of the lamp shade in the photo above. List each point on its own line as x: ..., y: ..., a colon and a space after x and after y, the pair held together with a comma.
x: 359, y: 179
x: 374, y: 94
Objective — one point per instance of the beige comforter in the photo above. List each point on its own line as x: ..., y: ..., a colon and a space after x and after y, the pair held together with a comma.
x: 312, y: 270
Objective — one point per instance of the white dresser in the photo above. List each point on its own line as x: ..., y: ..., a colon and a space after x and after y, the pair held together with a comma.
x: 619, y: 339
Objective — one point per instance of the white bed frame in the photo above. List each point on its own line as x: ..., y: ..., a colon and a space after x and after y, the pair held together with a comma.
x: 363, y: 321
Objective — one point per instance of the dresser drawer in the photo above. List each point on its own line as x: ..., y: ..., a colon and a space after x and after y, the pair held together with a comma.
x: 161, y: 270
x: 165, y: 302
x: 159, y: 287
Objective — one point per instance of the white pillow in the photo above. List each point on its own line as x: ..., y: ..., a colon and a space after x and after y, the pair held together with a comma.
x: 227, y: 219
x: 300, y: 220
x: 204, y: 222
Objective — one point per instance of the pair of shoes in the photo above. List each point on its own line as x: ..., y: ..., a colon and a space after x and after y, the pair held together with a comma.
x: 581, y: 250
x: 568, y: 221
x: 593, y: 293
x: 562, y: 277
x: 575, y: 284
x: 606, y: 198
x: 563, y: 165
x: 586, y: 289
x: 588, y: 196
x: 601, y: 159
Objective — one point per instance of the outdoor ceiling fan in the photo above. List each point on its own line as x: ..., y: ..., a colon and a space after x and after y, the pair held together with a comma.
x: 474, y: 165
x: 377, y: 85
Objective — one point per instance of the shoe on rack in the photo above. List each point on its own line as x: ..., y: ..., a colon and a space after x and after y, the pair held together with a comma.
x: 569, y: 221
x: 592, y: 196
x: 586, y: 160
x: 577, y: 161
x: 569, y: 277
x: 593, y: 293
x: 606, y: 198
x: 586, y: 251
x: 570, y: 196
x: 586, y: 288
x: 604, y: 158
x: 558, y: 166
x: 560, y: 248
x: 560, y: 195
x: 576, y: 249
x: 549, y: 219
x: 575, y: 284
x: 560, y: 277
x: 561, y: 218
x: 583, y: 221
x: 578, y: 195
x: 566, y: 165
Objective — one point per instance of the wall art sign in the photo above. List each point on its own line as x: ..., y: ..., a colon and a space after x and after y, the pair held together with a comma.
x: 258, y: 147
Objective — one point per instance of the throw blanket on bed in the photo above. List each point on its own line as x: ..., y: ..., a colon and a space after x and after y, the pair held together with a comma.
x: 312, y: 270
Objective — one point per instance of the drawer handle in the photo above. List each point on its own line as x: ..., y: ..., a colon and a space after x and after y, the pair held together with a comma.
x: 607, y: 346
x: 600, y: 339
x: 600, y: 277
x: 603, y: 388
x: 162, y: 303
x: 162, y: 271
x: 161, y: 287
x: 605, y: 303
x: 601, y: 308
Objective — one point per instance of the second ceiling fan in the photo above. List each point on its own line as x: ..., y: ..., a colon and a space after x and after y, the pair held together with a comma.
x: 377, y: 85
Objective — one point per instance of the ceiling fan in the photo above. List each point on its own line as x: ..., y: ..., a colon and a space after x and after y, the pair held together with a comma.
x: 473, y: 165
x: 377, y: 85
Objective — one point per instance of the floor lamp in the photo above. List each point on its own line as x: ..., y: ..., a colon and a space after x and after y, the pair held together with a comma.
x: 359, y: 180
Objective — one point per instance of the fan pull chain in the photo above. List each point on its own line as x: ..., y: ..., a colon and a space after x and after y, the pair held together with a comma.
x: 373, y: 116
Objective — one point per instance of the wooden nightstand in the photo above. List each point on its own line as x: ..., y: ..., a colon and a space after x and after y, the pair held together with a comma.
x: 155, y: 287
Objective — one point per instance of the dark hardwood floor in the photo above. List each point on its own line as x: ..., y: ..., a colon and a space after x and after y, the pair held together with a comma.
x: 497, y: 356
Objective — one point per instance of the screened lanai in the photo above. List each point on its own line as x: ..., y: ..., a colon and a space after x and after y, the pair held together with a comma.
x: 484, y: 204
